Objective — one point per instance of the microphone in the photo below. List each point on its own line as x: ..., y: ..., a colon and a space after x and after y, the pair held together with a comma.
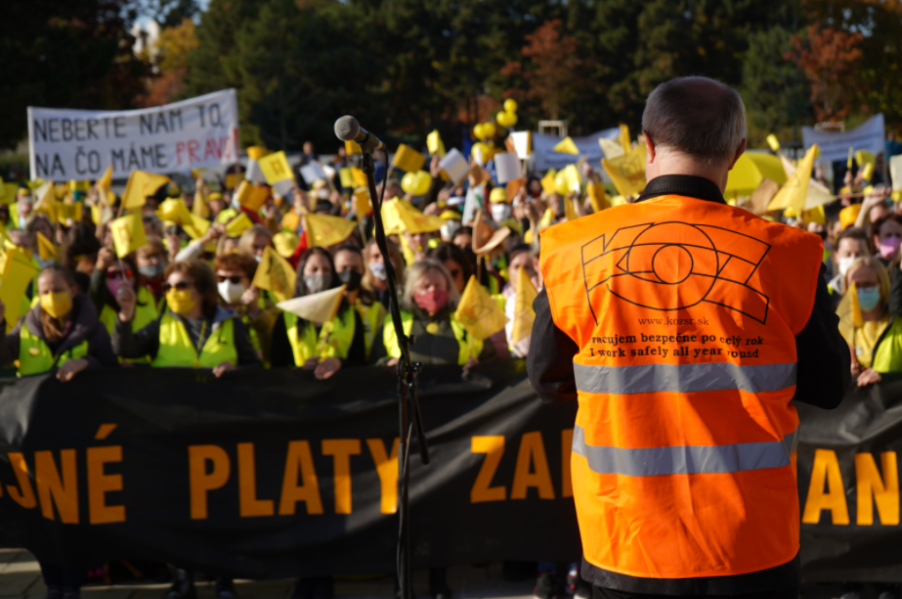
x: 348, y: 129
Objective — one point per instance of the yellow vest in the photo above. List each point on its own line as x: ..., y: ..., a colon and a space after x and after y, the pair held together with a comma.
x: 176, y: 348
x: 36, y: 358
x: 393, y: 350
x: 336, y: 336
x: 888, y: 353
x: 144, y: 315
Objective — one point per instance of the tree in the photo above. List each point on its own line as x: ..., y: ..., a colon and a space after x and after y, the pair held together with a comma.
x: 170, y: 58
x: 829, y: 59
x: 552, y: 71
x: 67, y: 54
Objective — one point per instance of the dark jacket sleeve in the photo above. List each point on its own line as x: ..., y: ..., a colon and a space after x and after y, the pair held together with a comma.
x: 281, y: 355
x: 9, y: 349
x: 95, y: 288
x: 551, y: 369
x: 145, y: 342
x: 824, y: 361
x: 100, y: 350
x: 247, y: 355
x: 895, y: 291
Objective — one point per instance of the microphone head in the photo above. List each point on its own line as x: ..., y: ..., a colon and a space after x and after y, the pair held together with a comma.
x: 347, y: 128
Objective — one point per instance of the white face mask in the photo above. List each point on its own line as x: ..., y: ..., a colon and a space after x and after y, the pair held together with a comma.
x: 231, y: 292
x: 378, y: 270
x: 449, y: 229
x: 500, y: 212
x: 845, y: 264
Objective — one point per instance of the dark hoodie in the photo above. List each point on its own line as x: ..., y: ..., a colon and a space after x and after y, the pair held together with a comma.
x: 84, y: 327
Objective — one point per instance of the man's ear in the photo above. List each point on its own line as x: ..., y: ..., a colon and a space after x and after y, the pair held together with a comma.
x: 650, y: 147
x: 739, y: 152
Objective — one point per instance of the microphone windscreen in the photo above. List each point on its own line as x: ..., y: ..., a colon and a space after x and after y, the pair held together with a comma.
x: 347, y: 128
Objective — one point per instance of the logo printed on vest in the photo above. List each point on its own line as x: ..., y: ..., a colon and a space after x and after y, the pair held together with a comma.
x: 674, y: 265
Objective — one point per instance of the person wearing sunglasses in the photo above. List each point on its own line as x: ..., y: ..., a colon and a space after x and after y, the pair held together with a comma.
x: 234, y: 276
x: 109, y: 276
x: 194, y: 330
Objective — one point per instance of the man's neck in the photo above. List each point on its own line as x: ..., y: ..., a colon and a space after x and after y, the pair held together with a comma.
x: 672, y: 163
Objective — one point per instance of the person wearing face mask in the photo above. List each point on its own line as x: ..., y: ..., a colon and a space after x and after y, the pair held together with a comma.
x: 375, y: 279
x: 452, y: 225
x: 456, y: 262
x: 151, y: 261
x: 886, y: 236
x: 234, y: 276
x: 875, y: 340
x: 193, y: 332
x: 110, y: 274
x: 427, y: 314
x: 851, y: 245
x: 498, y: 206
x: 348, y: 337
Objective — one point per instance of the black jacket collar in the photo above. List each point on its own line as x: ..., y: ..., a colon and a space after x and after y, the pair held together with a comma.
x: 682, y: 185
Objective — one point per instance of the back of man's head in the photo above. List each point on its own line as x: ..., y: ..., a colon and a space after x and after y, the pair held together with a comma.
x: 696, y: 116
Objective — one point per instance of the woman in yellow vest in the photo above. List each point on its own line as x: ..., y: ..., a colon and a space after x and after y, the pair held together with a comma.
x: 234, y: 276
x: 427, y: 314
x: 875, y: 339
x: 61, y: 331
x: 194, y: 331
x: 110, y: 274
x: 345, y: 340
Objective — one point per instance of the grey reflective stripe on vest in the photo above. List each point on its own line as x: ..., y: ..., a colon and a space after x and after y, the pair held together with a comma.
x: 691, y: 459
x: 683, y: 378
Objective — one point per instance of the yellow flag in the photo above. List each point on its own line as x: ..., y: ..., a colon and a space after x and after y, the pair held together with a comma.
x: 18, y: 271
x: 569, y: 209
x: 399, y: 216
x: 548, y: 184
x: 566, y: 146
x: 597, y: 196
x: 324, y: 230
x: 257, y: 152
x: 434, y: 143
x: 275, y: 274
x: 795, y: 190
x: 252, y: 196
x: 317, y: 307
x: 625, y: 142
x: 69, y: 212
x: 275, y: 167
x: 291, y: 221
x: 139, y: 186
x: 573, y: 179
x: 46, y: 248
x: 199, y: 207
x: 773, y: 142
x: 197, y: 228
x: 174, y: 211
x: 523, y: 312
x: 347, y: 179
x: 478, y: 312
x: 547, y: 219
x: 238, y: 225
x: 627, y: 171
x: 128, y: 234
x: 360, y: 179
x: 352, y: 147
x: 106, y: 180
x: 611, y: 148
x: 362, y: 204
x: 407, y: 159
x: 849, y: 312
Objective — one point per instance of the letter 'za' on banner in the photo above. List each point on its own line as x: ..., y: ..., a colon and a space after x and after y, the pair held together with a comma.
x: 66, y: 144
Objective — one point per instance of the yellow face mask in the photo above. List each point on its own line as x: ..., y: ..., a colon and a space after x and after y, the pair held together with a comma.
x: 57, y: 304
x: 179, y: 301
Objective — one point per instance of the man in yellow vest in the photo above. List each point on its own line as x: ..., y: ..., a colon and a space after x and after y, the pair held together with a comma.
x: 684, y: 327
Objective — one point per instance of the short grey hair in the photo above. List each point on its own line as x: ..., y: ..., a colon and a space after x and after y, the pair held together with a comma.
x: 696, y: 116
x: 421, y: 269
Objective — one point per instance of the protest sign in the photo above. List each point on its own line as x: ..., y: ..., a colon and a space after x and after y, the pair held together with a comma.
x: 80, y: 144
x: 835, y: 145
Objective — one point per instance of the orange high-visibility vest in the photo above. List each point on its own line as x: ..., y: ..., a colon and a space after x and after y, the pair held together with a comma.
x: 685, y: 312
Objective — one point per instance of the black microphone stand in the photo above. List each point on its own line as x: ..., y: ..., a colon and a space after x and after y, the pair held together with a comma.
x: 409, y: 416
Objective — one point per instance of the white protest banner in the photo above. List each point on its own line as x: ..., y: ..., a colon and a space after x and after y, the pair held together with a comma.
x: 507, y: 167
x: 835, y: 146
x: 79, y: 144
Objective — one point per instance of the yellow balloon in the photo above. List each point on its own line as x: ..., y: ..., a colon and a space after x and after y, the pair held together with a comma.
x: 561, y: 183
x: 511, y: 119
x: 422, y: 181
x: 409, y: 183
x: 478, y: 131
x: 489, y: 130
x: 510, y: 105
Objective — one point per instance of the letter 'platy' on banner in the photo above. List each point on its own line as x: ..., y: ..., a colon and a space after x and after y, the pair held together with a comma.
x: 68, y: 144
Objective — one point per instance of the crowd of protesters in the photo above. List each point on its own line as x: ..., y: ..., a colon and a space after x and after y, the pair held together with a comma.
x: 190, y: 302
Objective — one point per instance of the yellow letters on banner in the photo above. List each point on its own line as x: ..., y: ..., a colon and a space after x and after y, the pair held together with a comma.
x: 826, y: 469
x: 56, y: 489
x: 202, y: 482
x: 275, y: 167
x: 128, y: 234
x: 23, y: 494
x: 300, y: 460
x: 249, y: 504
x: 341, y: 451
x: 387, y: 469
x: 532, y: 468
x: 482, y: 489
x: 874, y: 489
x: 100, y: 483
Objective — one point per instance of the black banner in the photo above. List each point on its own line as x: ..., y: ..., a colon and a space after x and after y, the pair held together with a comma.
x: 275, y: 474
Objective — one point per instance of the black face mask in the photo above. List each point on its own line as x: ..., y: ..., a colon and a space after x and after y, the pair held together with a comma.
x: 350, y: 278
